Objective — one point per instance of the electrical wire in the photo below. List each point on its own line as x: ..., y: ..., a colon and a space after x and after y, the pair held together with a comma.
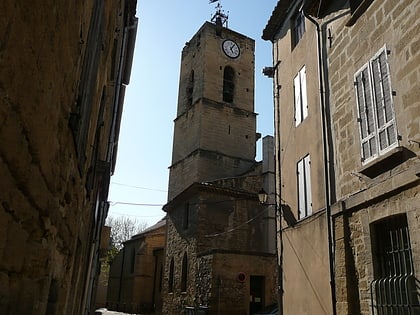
x: 113, y: 203
x: 138, y: 187
x: 238, y: 226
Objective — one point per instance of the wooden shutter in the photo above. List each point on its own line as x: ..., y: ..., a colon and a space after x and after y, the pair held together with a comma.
x: 365, y: 113
x: 308, y: 190
x: 304, y: 187
x: 304, y: 99
x: 301, y: 189
x: 383, y: 101
x: 298, y: 106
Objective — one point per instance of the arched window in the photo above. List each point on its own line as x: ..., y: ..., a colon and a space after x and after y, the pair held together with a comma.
x: 228, y: 84
x: 171, y: 276
x: 190, y: 88
x: 184, y: 273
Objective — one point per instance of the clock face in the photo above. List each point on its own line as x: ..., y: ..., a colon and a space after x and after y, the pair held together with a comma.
x: 230, y: 48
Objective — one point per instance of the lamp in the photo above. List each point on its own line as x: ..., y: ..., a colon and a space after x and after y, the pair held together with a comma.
x: 262, y: 196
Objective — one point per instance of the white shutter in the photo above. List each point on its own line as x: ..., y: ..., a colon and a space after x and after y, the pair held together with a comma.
x: 308, y: 190
x: 301, y: 189
x: 383, y: 101
x: 366, y: 113
x: 304, y: 100
x: 298, y: 106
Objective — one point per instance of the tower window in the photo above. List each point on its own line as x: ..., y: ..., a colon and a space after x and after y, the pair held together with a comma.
x: 228, y: 84
x: 190, y: 88
x: 184, y: 273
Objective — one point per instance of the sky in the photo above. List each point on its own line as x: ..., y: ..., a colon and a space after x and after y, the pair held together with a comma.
x: 140, y: 182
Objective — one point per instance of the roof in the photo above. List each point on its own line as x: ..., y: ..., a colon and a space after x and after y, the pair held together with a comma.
x: 152, y: 228
x: 276, y: 20
x: 316, y: 8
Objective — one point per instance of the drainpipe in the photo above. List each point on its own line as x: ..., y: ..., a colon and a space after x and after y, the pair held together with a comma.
x: 326, y: 167
x: 272, y: 72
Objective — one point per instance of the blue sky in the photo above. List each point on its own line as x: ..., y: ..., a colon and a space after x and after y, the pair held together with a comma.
x: 139, y: 185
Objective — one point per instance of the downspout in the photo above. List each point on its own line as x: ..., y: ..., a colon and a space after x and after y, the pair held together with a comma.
x: 277, y: 179
x: 326, y: 167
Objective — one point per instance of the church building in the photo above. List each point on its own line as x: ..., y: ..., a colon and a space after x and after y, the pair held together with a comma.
x: 220, y: 245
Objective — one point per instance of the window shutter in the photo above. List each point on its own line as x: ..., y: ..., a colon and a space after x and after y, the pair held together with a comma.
x: 307, y: 168
x: 366, y: 114
x: 301, y: 189
x: 304, y: 100
x: 298, y: 109
x: 383, y: 100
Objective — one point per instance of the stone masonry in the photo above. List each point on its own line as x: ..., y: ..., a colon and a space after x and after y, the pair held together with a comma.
x: 54, y: 176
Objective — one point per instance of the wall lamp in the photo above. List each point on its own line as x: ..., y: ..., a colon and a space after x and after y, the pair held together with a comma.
x: 262, y: 196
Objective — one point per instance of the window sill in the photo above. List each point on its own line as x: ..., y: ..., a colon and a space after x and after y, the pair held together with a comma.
x: 358, y: 12
x: 385, y: 162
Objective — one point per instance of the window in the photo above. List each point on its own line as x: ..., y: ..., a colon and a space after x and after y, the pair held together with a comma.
x: 186, y: 217
x: 190, y: 88
x: 298, y: 27
x: 228, y: 84
x: 171, y: 277
x: 133, y: 260
x: 304, y: 187
x: 393, y: 291
x: 375, y: 108
x: 184, y: 273
x: 301, y: 103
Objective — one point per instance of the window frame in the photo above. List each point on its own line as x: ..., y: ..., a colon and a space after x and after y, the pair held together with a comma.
x: 171, y: 278
x: 304, y: 187
x: 297, y: 27
x: 184, y: 273
x: 393, y: 262
x: 228, y: 84
x: 368, y: 115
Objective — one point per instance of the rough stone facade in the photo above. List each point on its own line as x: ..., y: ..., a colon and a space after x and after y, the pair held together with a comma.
x: 373, y: 194
x: 61, y: 76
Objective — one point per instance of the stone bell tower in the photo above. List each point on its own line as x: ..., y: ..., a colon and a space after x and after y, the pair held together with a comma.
x: 215, y: 128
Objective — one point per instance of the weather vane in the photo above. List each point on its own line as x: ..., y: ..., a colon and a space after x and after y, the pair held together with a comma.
x: 220, y: 17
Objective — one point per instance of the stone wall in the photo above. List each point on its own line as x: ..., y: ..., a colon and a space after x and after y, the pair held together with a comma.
x: 367, y: 198
x: 52, y: 200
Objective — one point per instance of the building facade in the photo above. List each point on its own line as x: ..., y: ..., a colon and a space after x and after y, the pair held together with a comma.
x: 135, y: 280
x: 64, y: 68
x: 220, y: 240
x: 347, y: 77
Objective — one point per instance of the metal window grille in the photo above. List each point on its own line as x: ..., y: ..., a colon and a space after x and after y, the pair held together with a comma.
x: 395, y: 289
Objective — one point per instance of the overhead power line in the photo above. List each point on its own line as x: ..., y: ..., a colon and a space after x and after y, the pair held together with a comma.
x: 138, y: 187
x: 113, y: 203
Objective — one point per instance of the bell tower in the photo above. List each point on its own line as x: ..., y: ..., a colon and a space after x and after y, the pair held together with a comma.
x: 215, y: 128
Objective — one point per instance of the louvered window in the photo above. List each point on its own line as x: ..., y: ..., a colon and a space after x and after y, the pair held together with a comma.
x: 376, y: 116
x: 304, y: 187
x: 228, y: 84
x: 301, y: 103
